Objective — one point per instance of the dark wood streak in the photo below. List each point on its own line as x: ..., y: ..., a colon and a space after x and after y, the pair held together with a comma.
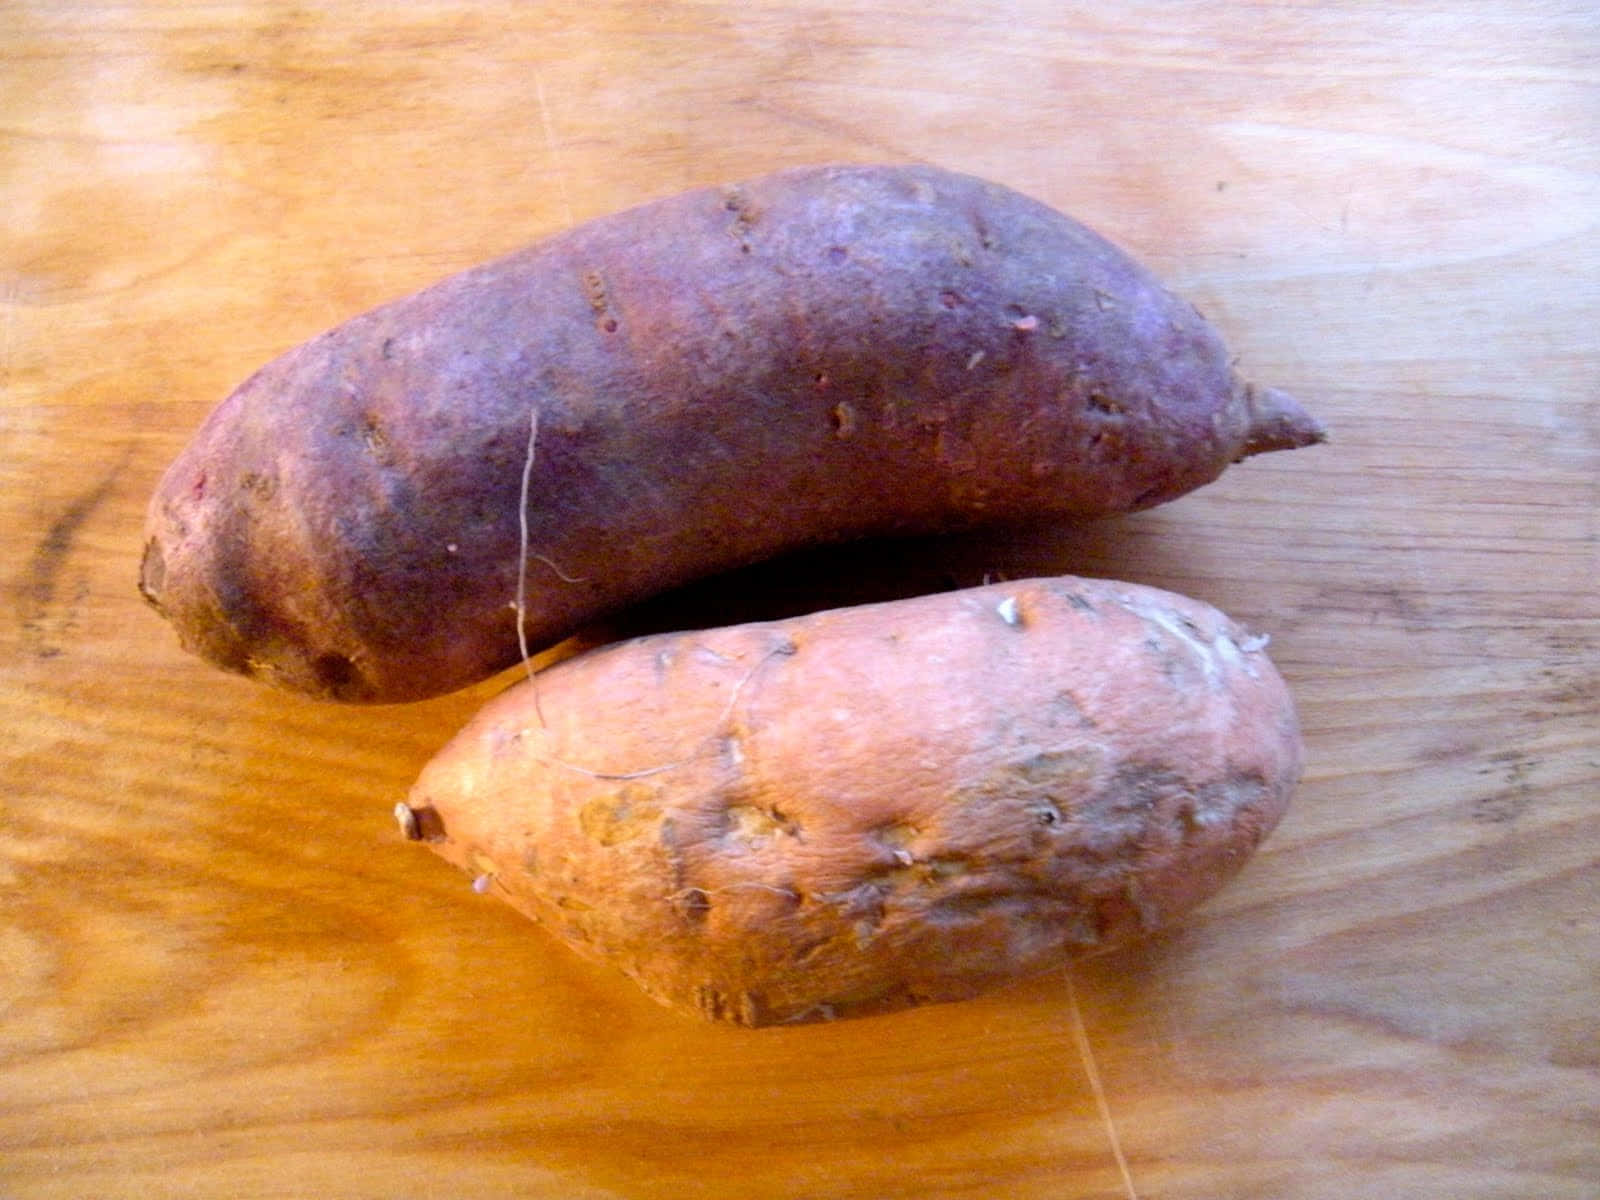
x: 43, y: 626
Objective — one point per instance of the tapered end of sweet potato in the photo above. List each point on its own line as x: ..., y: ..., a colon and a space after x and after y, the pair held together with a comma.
x: 1276, y: 421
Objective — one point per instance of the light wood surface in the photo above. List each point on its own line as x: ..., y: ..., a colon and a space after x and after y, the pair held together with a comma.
x: 222, y: 974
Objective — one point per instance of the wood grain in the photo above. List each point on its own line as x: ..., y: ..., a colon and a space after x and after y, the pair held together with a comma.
x: 222, y: 973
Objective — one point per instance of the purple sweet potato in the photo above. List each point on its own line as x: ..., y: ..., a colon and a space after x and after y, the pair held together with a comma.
x: 696, y: 384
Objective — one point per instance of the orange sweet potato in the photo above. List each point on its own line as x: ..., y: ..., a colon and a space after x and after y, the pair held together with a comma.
x: 699, y: 383
x: 873, y: 807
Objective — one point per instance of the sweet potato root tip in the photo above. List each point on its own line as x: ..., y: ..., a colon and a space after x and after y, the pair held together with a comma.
x: 1278, y: 422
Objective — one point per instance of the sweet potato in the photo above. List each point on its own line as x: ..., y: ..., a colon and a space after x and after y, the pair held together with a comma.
x: 873, y: 807
x: 692, y: 385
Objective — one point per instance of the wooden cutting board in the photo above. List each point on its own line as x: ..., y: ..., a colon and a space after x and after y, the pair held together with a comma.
x: 222, y: 974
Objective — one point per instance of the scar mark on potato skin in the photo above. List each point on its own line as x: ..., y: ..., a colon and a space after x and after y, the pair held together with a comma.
x: 985, y: 235
x: 630, y: 812
x: 897, y: 838
x: 737, y: 202
x: 672, y: 848
x: 756, y: 823
x: 595, y: 291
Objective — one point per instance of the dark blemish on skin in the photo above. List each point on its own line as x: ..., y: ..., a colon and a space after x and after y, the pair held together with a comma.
x: 694, y: 904
x: 837, y: 254
x: 965, y: 907
x: 1047, y: 813
x: 388, y: 349
x: 950, y: 299
x: 335, y: 673
x: 263, y: 487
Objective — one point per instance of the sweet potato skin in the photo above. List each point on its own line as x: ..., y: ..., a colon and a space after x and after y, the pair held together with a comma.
x: 874, y: 807
x: 708, y: 380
